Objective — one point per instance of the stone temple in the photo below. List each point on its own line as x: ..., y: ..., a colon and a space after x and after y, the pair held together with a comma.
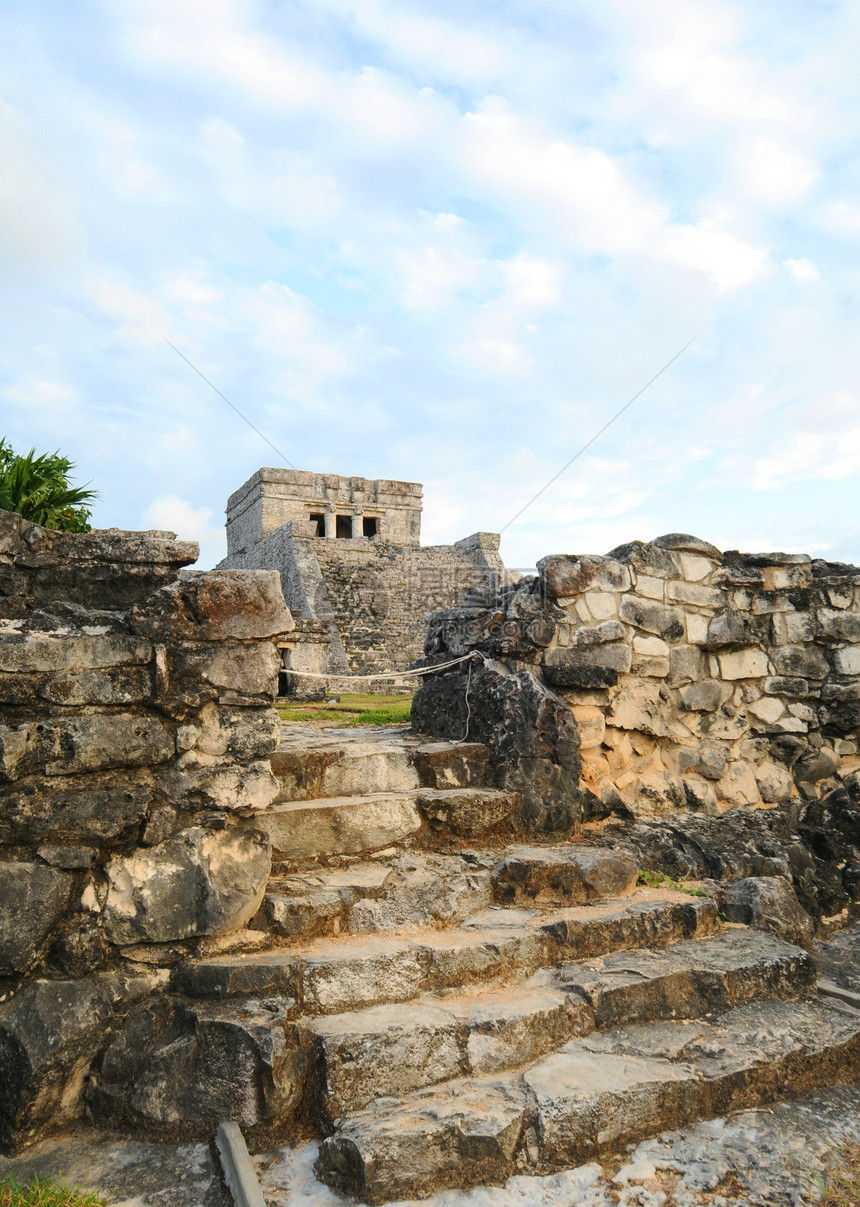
x: 355, y: 575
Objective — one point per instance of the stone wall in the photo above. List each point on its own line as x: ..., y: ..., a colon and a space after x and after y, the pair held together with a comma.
x: 697, y: 679
x: 134, y: 754
x: 106, y: 568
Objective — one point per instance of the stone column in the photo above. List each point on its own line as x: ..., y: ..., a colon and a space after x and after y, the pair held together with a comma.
x: 330, y: 523
x: 356, y: 525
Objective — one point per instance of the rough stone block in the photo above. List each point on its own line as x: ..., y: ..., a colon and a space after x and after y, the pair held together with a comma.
x: 566, y: 575
x: 81, y: 809
x: 767, y: 903
x: 198, y: 882
x: 600, y: 605
x: 685, y: 663
x: 216, y: 605
x: 682, y: 542
x: 732, y: 627
x: 126, y: 685
x: 695, y: 594
x: 33, y: 898
x: 639, y: 705
x: 748, y: 663
x: 705, y: 696
x: 32, y: 652
x: 229, y: 671
x: 562, y: 876
x: 768, y: 709
x: 599, y: 666
x: 205, y: 782
x: 695, y: 568
x: 650, y: 588
x: 801, y: 662
x: 779, y: 685
x: 598, y: 634
x: 646, y: 559
x: 49, y: 1033
x: 774, y: 782
x: 64, y: 745
x: 650, y: 647
x: 664, y: 622
x: 838, y: 625
x: 591, y: 724
x: 847, y: 661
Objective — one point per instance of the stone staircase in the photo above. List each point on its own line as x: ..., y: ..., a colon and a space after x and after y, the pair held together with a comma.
x: 447, y: 1008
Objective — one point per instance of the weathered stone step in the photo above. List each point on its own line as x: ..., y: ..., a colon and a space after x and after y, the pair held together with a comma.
x: 593, y: 1095
x: 310, y: 764
x: 390, y: 1050
x: 497, y: 945
x: 562, y: 875
x: 409, y: 890
x: 353, y: 825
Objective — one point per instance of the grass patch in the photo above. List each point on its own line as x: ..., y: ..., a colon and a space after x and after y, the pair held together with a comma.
x: 841, y: 1186
x: 47, y: 1192
x: 350, y: 710
x: 659, y: 880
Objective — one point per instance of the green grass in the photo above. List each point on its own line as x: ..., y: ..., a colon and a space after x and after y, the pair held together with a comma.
x: 351, y: 710
x: 659, y: 880
x: 47, y: 1192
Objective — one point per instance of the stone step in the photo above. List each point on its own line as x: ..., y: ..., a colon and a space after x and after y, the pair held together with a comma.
x: 328, y: 976
x: 387, y: 1051
x: 409, y: 890
x: 592, y: 1096
x: 562, y: 875
x: 357, y: 825
x: 311, y: 764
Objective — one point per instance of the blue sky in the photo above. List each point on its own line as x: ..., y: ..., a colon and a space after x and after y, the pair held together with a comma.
x: 442, y: 242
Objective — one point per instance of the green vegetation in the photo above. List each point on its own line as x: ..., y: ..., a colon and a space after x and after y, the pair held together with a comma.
x: 47, y: 1192
x: 350, y: 710
x: 38, y: 488
x: 841, y: 1186
x: 659, y: 880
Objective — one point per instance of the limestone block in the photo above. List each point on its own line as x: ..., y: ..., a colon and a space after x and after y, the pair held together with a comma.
x: 840, y: 597
x: 705, y: 696
x: 49, y: 1033
x: 767, y: 903
x: 650, y: 668
x: 651, y: 647
x: 699, y: 794
x: 598, y: 666
x: 599, y: 634
x: 601, y: 605
x: 801, y: 710
x: 563, y: 632
x: 646, y: 559
x: 566, y: 575
x: 838, y: 626
x: 708, y: 758
x: 591, y: 725
x: 750, y: 663
x: 82, y: 809
x: 769, y: 603
x: 696, y: 594
x: 33, y: 652
x: 695, y: 568
x: 215, y: 605
x: 779, y: 685
x: 206, y: 782
x: 237, y: 733
x: 697, y: 629
x: 732, y: 627
x: 784, y: 578
x: 65, y: 745
x: 651, y: 588
x: 33, y: 898
x: 653, y: 794
x: 774, y: 782
x: 126, y: 685
x: 841, y: 705
x: 793, y: 628
x: 802, y: 662
x: 738, y: 785
x: 199, y: 882
x: 685, y: 663
x: 816, y: 765
x: 767, y: 709
x: 847, y: 661
x: 639, y: 705
x: 227, y: 671
x: 664, y: 622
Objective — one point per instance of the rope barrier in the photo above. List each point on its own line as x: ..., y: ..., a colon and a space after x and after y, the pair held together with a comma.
x: 422, y: 670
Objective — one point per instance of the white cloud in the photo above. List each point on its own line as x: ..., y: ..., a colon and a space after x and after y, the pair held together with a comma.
x: 802, y: 269
x: 190, y: 523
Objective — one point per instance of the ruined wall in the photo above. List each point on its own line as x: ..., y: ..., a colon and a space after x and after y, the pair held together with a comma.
x: 107, y: 568
x: 134, y: 753
x: 698, y: 679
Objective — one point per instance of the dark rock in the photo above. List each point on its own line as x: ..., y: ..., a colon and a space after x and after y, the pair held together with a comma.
x: 33, y: 898
x: 767, y: 903
x: 587, y: 666
x: 49, y: 1033
x: 667, y: 623
x: 731, y: 627
x: 82, y: 809
x: 646, y: 558
x: 801, y: 661
x: 530, y: 732
x: 562, y: 876
x: 705, y: 696
x: 778, y: 685
x: 178, y: 1070
x: 566, y: 575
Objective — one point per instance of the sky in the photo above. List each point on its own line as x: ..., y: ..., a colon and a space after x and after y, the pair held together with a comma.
x: 443, y: 242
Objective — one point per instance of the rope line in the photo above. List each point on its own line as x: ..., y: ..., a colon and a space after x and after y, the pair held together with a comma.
x: 423, y: 670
